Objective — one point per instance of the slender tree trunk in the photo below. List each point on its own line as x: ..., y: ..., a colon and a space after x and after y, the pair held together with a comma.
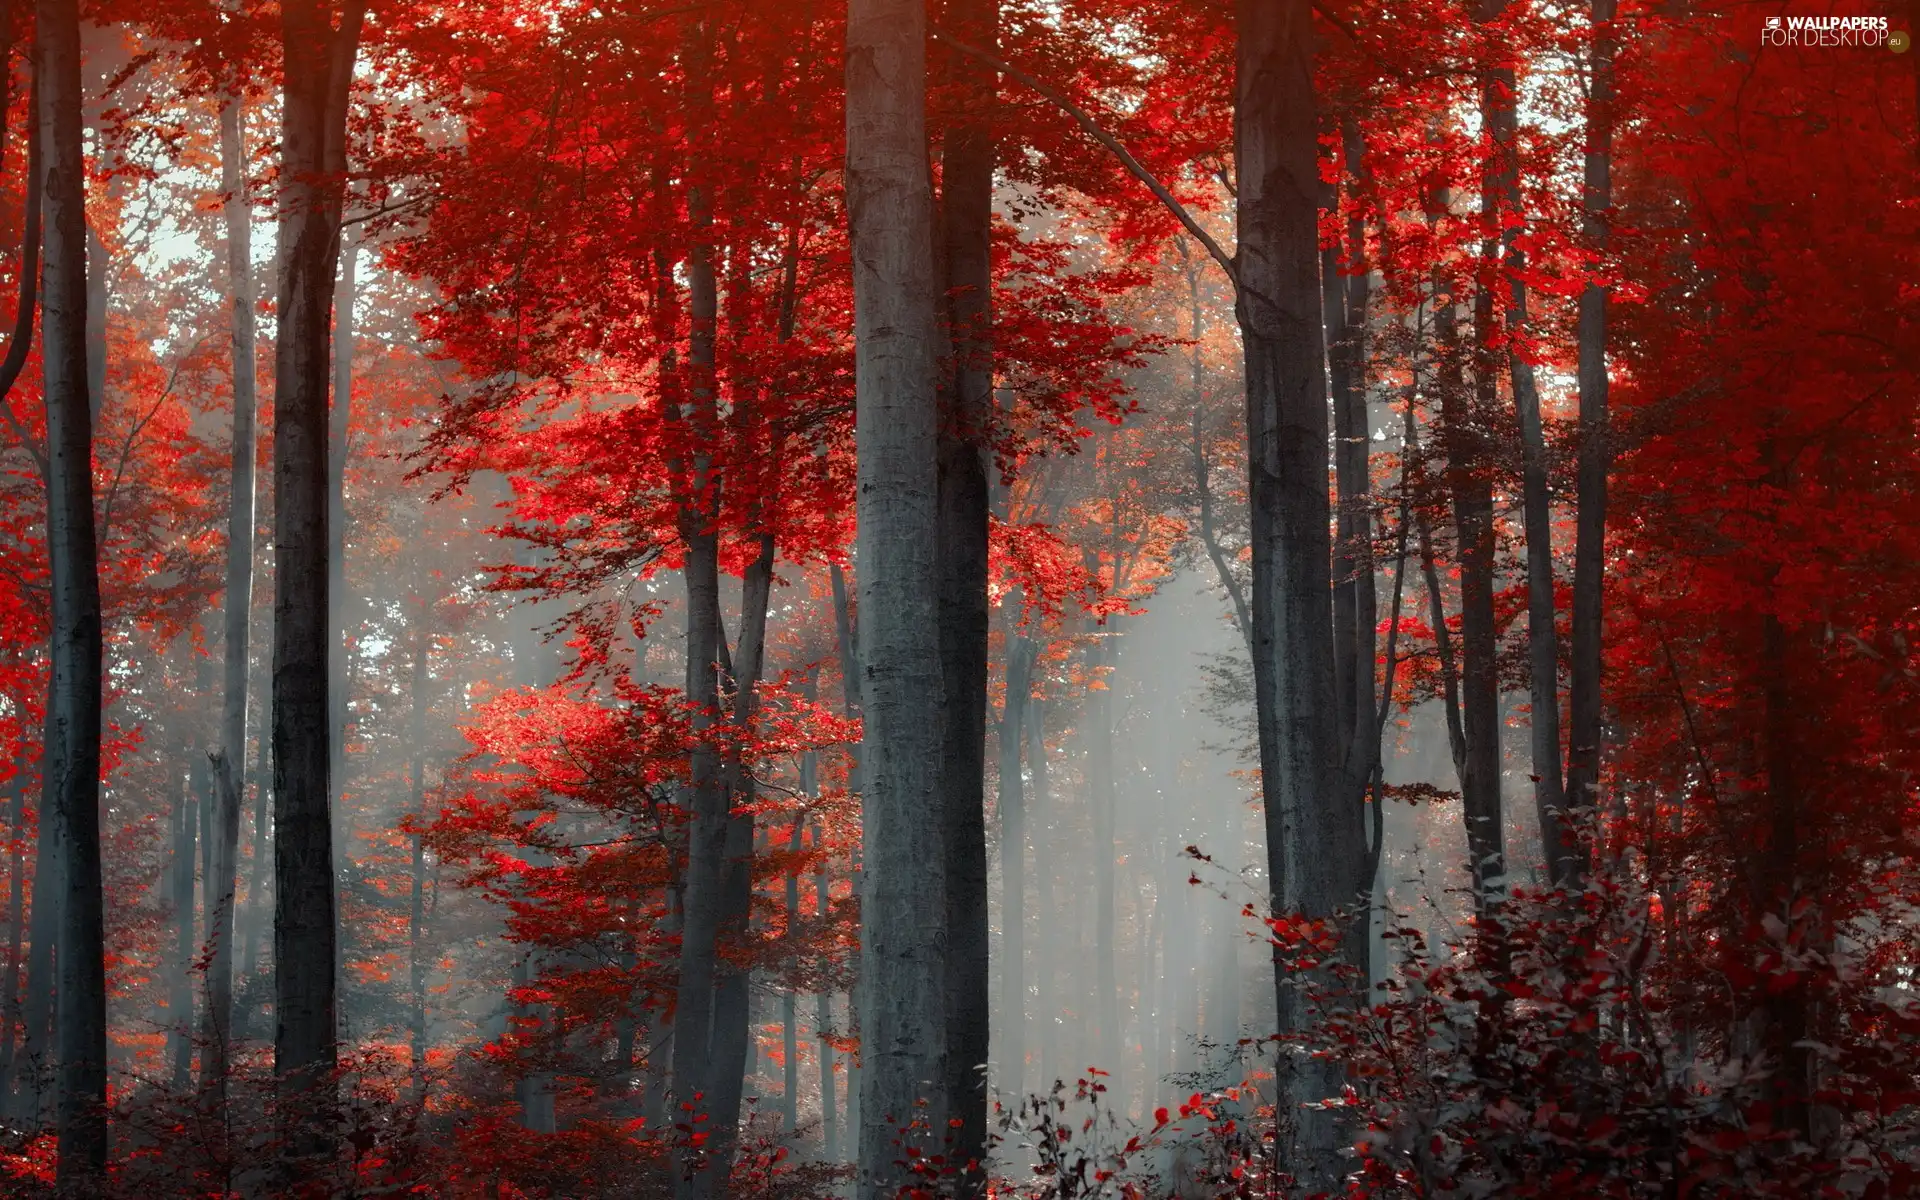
x: 1042, y: 810
x: 339, y: 434
x: 966, y: 220
x: 1590, y: 531
x: 1100, y: 795
x: 695, y: 1076
x: 1463, y: 432
x: 731, y: 1043
x: 1012, y: 1055
x: 1316, y: 842
x: 889, y: 200
x: 1500, y: 190
x: 318, y: 63
x: 16, y: 909
x: 35, y: 1064
x: 73, y: 744
x: 416, y: 913
x: 180, y: 1006
x: 97, y: 266
x: 789, y: 998
x: 230, y: 759
x: 845, y: 642
x: 258, y: 903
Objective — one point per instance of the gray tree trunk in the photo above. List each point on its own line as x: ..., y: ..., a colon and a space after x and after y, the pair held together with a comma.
x: 416, y: 910
x: 186, y: 812
x: 1464, y: 419
x: 16, y: 910
x: 30, y: 1091
x: 1500, y: 187
x: 339, y: 434
x: 1101, y: 797
x: 73, y: 725
x: 890, y: 208
x: 318, y: 67
x: 966, y: 219
x: 229, y: 763
x: 1012, y: 1049
x: 1315, y: 838
x: 694, y: 1073
x: 731, y: 1047
x: 1590, y: 528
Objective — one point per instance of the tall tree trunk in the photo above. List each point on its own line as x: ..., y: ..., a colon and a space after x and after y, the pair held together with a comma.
x: 1463, y: 432
x: 318, y: 64
x: 1315, y: 838
x: 186, y: 811
x: 731, y: 1042
x: 966, y: 219
x: 1500, y: 192
x: 890, y: 206
x: 35, y: 1063
x: 73, y: 725
x: 339, y: 434
x: 16, y: 909
x: 229, y: 764
x: 1100, y: 796
x: 694, y: 1074
x: 416, y: 909
x: 1047, y: 867
x: 1012, y: 806
x: 259, y: 911
x: 1590, y: 529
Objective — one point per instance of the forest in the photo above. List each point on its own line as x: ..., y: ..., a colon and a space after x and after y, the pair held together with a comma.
x: 1035, y: 599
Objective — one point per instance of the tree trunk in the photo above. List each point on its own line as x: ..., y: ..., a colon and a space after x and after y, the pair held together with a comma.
x: 1100, y: 795
x: 695, y: 1075
x: 229, y: 764
x: 1315, y: 837
x: 1012, y: 1055
x: 1500, y: 198
x: 1463, y: 432
x: 1590, y: 530
x: 1047, y: 868
x: 35, y: 1065
x: 731, y: 1042
x: 339, y: 433
x: 16, y: 909
x: 966, y: 217
x: 416, y: 913
x: 318, y: 64
x: 73, y: 744
x: 889, y: 201
x: 186, y: 810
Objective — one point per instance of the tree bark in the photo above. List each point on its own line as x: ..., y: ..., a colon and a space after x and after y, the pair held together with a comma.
x: 417, y: 909
x: 318, y: 64
x: 1590, y: 528
x: 1315, y: 838
x: 1012, y: 1055
x: 16, y: 908
x: 229, y: 764
x: 695, y: 1076
x: 73, y: 745
x: 1500, y: 191
x: 966, y: 219
x: 186, y: 809
x: 339, y: 434
x: 1463, y: 433
x: 889, y: 200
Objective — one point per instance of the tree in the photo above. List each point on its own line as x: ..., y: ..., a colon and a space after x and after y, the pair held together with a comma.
x: 1314, y: 834
x: 229, y: 760
x: 903, y: 899
x: 72, y: 780
x: 966, y: 418
x: 317, y: 59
